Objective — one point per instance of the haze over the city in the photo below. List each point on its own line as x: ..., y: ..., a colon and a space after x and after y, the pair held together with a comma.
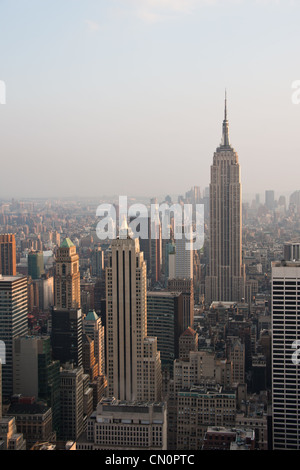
x: 127, y: 96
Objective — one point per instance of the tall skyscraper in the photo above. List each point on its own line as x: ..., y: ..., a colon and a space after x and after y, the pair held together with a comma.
x: 66, y: 334
x: 92, y: 326
x: 236, y: 354
x: 71, y: 400
x: 285, y: 359
x: 155, y: 251
x: 133, y: 362
x: 8, y: 261
x: 169, y: 260
x: 186, y: 287
x: 184, y: 256
x: 13, y: 322
x: 152, y: 246
x: 67, y: 277
x: 165, y: 320
x: 46, y: 291
x: 270, y: 199
x: 145, y: 245
x: 90, y: 366
x: 35, y: 374
x: 226, y: 279
x: 97, y: 261
x: 36, y: 265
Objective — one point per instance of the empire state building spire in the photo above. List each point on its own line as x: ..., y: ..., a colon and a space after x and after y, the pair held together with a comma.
x: 225, y: 281
x: 225, y: 137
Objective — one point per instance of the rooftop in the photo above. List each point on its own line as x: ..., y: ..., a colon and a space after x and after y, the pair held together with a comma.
x: 288, y: 264
x: 189, y: 332
x: 27, y: 409
x: 111, y: 401
x: 163, y: 293
x: 91, y: 316
x: 11, y: 278
x: 222, y: 304
x: 67, y: 243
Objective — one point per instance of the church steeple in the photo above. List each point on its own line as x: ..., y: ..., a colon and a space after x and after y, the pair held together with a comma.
x: 225, y: 137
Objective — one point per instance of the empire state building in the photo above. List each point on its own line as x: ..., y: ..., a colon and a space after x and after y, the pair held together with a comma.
x: 226, y: 278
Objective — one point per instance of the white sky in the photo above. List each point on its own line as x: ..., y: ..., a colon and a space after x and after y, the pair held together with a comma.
x: 126, y: 97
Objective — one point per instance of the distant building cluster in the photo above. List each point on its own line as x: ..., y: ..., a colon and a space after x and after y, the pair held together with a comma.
x: 141, y: 344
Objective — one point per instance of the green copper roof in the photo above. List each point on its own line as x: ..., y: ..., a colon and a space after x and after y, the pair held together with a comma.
x: 67, y: 243
x: 91, y: 316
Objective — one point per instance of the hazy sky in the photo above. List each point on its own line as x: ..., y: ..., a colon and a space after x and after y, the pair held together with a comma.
x: 127, y: 96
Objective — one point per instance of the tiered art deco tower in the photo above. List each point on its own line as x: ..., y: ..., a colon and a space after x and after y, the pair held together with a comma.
x: 226, y: 279
x: 133, y: 361
x: 67, y: 277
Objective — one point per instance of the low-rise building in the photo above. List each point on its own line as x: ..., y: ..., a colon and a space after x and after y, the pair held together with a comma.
x: 200, y: 407
x: 223, y: 438
x: 34, y: 421
x: 10, y: 439
x: 120, y: 425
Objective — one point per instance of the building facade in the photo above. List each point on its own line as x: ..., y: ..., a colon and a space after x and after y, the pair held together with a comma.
x: 36, y: 265
x: 285, y: 362
x: 66, y: 336
x: 72, y: 406
x: 184, y: 254
x: 165, y: 321
x: 34, y: 422
x: 186, y: 287
x: 8, y: 261
x: 35, y: 374
x: 97, y: 262
x: 10, y: 438
x: 13, y: 322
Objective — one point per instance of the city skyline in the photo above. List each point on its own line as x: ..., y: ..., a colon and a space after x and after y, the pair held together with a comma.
x: 149, y: 228
x: 97, y: 88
